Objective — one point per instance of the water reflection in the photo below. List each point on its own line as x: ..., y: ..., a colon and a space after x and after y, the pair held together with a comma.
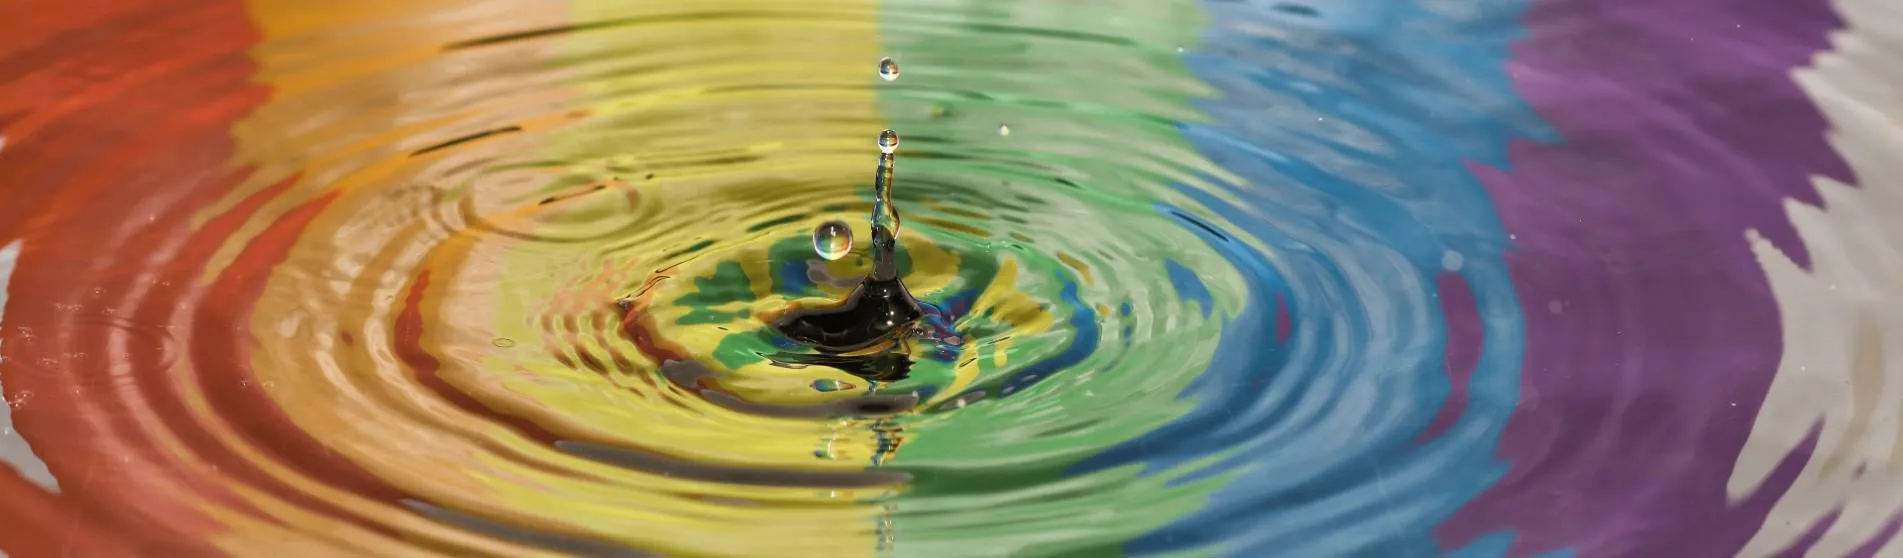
x: 1243, y: 278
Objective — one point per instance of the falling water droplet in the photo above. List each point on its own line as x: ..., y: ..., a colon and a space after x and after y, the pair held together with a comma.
x: 1004, y: 130
x: 888, y: 142
x: 888, y: 69
x: 832, y: 239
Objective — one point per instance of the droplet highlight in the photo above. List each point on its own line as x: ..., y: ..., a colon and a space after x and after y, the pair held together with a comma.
x: 832, y: 240
x: 888, y: 69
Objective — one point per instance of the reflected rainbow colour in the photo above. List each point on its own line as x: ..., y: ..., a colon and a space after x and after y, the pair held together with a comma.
x: 1243, y: 278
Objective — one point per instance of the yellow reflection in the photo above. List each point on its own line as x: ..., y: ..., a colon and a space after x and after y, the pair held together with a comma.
x: 729, y: 105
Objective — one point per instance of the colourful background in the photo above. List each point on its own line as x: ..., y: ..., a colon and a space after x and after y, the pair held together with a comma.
x: 1503, y: 277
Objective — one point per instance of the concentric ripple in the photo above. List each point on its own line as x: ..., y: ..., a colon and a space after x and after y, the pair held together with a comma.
x: 494, y: 285
x: 498, y: 278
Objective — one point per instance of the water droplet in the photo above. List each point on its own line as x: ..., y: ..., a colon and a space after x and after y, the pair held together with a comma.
x: 1451, y: 260
x: 503, y: 342
x: 1004, y: 130
x: 881, y: 304
x: 888, y: 141
x: 832, y: 239
x: 888, y: 69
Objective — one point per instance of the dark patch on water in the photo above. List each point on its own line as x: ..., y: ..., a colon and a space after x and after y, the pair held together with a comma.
x: 465, y: 139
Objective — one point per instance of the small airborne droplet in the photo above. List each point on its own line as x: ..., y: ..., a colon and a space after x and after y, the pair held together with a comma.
x: 888, y: 69
x: 832, y: 239
x: 1004, y: 130
x: 888, y: 141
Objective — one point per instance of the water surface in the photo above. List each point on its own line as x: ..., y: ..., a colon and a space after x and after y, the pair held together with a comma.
x: 1229, y: 278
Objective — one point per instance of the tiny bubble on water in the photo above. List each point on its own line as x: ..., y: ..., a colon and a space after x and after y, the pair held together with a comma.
x: 503, y: 342
x: 888, y: 69
x: 888, y: 141
x: 832, y: 240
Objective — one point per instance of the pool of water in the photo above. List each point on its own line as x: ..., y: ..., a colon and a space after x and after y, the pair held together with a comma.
x: 1198, y: 278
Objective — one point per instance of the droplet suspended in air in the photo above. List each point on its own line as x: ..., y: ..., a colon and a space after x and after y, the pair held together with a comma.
x: 832, y: 239
x: 888, y: 141
x: 1004, y: 129
x: 888, y: 69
